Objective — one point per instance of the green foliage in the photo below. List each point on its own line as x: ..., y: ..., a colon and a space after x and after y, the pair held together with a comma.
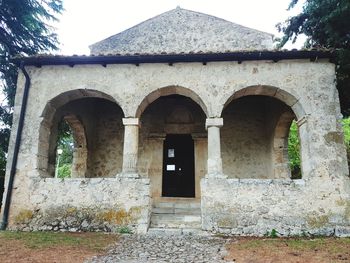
x: 64, y: 170
x: 272, y: 234
x: 24, y: 30
x: 326, y: 25
x: 294, y: 146
x: 124, y: 230
x: 66, y: 144
x: 294, y: 151
x: 346, y: 129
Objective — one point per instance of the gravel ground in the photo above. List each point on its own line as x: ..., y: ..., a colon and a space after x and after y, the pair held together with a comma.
x: 164, y: 249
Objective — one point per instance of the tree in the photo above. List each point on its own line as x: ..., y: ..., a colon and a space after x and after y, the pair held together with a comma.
x: 294, y: 151
x: 326, y: 24
x: 24, y: 31
x: 65, y: 142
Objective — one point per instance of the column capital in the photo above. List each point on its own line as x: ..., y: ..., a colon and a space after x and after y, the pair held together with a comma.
x: 131, y: 121
x: 214, y: 122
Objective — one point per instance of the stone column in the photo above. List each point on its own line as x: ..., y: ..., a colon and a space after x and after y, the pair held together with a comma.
x: 213, y: 126
x: 131, y: 145
x: 307, y: 160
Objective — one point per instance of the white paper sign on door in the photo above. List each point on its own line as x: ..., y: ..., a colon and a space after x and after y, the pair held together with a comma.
x: 170, y: 167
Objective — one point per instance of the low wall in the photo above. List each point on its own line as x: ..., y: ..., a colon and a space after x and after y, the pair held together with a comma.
x: 317, y: 206
x: 92, y: 204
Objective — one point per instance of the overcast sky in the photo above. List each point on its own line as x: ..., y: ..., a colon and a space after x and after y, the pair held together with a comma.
x: 85, y: 22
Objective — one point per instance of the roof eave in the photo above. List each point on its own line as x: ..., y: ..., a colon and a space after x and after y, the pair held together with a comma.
x: 275, y: 56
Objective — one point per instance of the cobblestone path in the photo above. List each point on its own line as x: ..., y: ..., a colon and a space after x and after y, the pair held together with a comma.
x: 164, y: 249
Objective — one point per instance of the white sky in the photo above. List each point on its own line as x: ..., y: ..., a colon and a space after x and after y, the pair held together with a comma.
x: 85, y: 22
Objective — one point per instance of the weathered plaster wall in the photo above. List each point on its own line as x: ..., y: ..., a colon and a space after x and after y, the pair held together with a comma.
x: 307, y: 87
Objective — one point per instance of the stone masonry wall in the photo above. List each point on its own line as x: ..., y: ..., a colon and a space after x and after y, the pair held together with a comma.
x: 318, y: 204
x: 256, y: 207
x: 247, y: 137
x: 104, y: 131
x: 107, y: 153
x: 85, y: 205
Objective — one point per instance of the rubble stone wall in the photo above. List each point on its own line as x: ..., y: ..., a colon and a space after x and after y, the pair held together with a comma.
x: 318, y: 204
x: 253, y: 207
x: 90, y: 204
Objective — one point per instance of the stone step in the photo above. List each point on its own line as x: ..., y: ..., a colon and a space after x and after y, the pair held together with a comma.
x: 172, y: 210
x: 175, y: 221
x: 177, y: 204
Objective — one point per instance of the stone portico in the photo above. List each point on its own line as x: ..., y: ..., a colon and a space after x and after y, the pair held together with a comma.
x: 227, y: 113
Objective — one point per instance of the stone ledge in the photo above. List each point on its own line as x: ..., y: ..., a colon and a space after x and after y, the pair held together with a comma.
x: 233, y: 181
x: 93, y: 180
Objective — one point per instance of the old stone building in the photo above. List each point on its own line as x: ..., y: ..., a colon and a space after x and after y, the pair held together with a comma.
x: 180, y: 122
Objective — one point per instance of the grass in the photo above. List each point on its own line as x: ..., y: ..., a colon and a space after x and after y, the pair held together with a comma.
x: 96, y: 242
x: 289, y: 250
x: 301, y: 244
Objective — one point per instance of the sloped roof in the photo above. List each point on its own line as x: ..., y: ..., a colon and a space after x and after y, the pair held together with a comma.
x: 183, y: 31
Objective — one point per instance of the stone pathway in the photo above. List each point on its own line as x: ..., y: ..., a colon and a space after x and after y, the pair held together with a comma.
x: 165, y: 249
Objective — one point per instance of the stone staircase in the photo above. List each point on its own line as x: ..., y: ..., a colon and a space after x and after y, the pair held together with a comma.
x: 176, y: 215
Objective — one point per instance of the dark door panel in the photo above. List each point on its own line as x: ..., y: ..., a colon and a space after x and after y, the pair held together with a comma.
x: 178, y: 166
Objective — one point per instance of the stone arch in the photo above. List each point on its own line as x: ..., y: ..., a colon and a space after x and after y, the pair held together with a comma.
x: 270, y: 91
x: 65, y: 97
x: 166, y: 91
x: 80, y: 152
x: 48, y: 134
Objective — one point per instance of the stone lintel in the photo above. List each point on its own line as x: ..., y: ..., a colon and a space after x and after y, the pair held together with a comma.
x: 131, y: 121
x: 214, y: 122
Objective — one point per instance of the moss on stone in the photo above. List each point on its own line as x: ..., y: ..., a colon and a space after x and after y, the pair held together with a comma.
x: 118, y: 217
x: 24, y: 216
x: 71, y: 211
x: 334, y: 137
x: 227, y: 222
x: 315, y: 221
x: 346, y: 204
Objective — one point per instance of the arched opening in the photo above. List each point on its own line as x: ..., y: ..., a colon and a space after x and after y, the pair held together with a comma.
x: 173, y: 146
x: 294, y: 154
x: 96, y: 130
x: 64, y: 151
x: 286, y: 147
x: 71, y: 148
x: 257, y: 134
